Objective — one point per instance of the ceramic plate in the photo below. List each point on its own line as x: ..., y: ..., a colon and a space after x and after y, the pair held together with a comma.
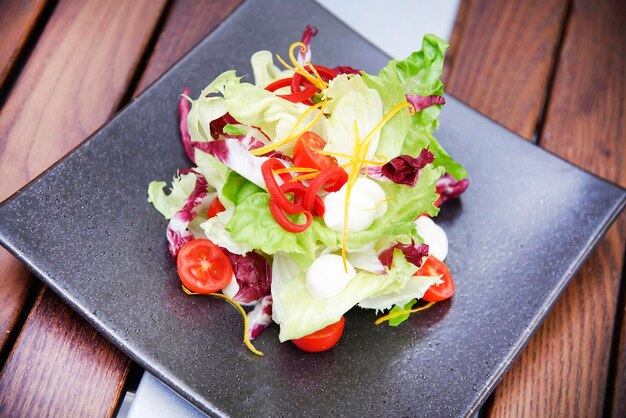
x: 519, y: 234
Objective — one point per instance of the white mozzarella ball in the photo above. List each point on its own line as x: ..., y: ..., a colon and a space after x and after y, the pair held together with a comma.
x: 365, y: 206
x: 370, y: 188
x: 434, y: 236
x: 326, y: 277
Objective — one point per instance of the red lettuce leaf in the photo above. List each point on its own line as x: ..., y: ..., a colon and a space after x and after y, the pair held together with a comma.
x: 253, y: 276
x: 405, y: 169
x: 184, y: 107
x: 305, y: 56
x: 260, y: 317
x: 345, y: 69
x: 177, y: 233
x: 217, y: 125
x: 449, y: 188
x: 422, y: 102
x: 414, y: 253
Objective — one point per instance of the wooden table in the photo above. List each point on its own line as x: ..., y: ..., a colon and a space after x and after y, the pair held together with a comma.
x: 551, y: 70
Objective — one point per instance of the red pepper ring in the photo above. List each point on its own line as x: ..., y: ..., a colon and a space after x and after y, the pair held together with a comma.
x: 332, y: 178
x: 296, y: 82
x: 267, y: 170
x: 285, y: 222
x: 325, y: 72
x: 306, y: 93
x: 299, y: 191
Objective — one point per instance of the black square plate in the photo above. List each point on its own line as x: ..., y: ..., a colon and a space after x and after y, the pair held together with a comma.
x: 525, y: 226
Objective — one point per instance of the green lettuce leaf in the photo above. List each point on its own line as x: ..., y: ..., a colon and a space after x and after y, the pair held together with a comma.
x: 207, y: 108
x: 276, y: 117
x: 215, y: 230
x: 389, y: 87
x: 397, y: 320
x: 169, y: 204
x: 264, y: 70
x: 237, y: 188
x: 420, y: 137
x: 419, y: 74
x: 299, y: 314
x: 252, y: 224
x: 214, y: 171
x: 234, y: 130
x: 350, y: 100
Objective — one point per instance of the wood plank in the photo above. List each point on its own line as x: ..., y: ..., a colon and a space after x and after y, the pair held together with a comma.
x: 564, y: 369
x: 57, y: 337
x: 188, y: 22
x: 15, y: 286
x: 618, y: 403
x: 462, y: 16
x: 505, y: 54
x: 73, y: 81
x: 17, y: 20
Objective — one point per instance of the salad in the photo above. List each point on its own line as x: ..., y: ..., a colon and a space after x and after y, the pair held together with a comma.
x: 312, y: 191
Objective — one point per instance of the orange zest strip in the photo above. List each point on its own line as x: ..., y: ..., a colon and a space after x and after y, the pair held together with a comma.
x: 386, y: 119
x: 292, y: 135
x: 342, y: 155
x: 305, y: 177
x: 246, y: 340
x: 317, y: 75
x: 389, y: 199
x: 295, y: 170
x: 355, y: 168
x: 409, y: 311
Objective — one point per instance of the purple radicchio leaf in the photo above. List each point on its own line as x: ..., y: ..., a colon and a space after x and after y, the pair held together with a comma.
x: 177, y: 233
x: 260, y: 317
x: 217, y: 126
x: 184, y: 107
x: 414, y: 253
x: 248, y: 141
x: 405, y: 169
x: 422, y: 102
x: 253, y: 276
x: 309, y: 32
x: 345, y: 69
x: 374, y: 171
x: 449, y: 188
x: 234, y: 154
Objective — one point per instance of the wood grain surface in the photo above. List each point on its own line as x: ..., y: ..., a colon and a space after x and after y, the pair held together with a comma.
x: 72, y: 83
x: 618, y: 401
x: 17, y: 20
x: 564, y: 369
x: 501, y: 63
x: 58, y: 337
x: 15, y: 286
x: 503, y: 56
x: 188, y: 22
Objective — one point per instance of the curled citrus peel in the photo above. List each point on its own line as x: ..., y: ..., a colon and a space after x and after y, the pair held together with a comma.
x: 246, y: 340
x: 315, y: 79
x: 305, y: 176
x: 406, y: 312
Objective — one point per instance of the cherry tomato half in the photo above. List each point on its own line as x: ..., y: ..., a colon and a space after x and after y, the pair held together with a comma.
x: 434, y: 267
x: 323, y: 339
x: 203, y: 267
x: 306, y: 152
x: 215, y: 207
